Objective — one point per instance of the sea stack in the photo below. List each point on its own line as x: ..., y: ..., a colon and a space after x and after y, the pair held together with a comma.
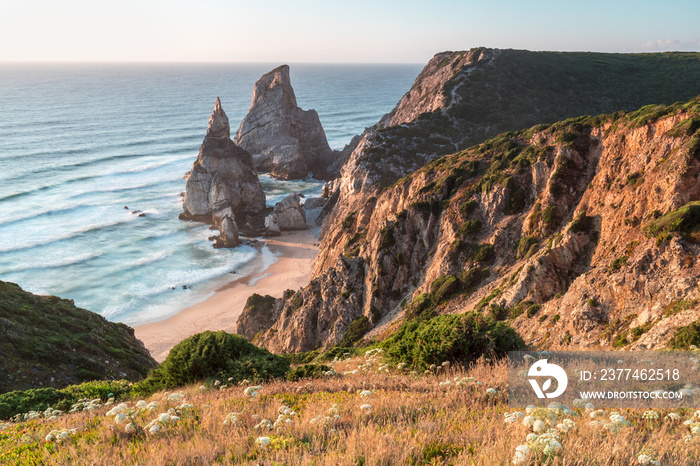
x: 222, y: 183
x: 284, y: 140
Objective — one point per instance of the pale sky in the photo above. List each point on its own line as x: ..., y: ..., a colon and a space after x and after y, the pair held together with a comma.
x: 364, y: 31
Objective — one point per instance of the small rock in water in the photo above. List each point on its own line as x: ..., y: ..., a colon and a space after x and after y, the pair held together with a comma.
x: 126, y: 207
x: 142, y: 215
x: 184, y: 287
x: 135, y: 212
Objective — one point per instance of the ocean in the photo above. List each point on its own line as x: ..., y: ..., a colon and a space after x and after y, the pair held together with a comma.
x: 80, y: 142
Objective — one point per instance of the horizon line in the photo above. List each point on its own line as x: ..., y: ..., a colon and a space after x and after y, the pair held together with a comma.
x: 268, y: 62
x: 192, y: 62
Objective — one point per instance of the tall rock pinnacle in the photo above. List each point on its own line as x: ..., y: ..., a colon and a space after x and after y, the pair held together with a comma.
x: 218, y: 122
x: 223, y: 182
x: 283, y: 139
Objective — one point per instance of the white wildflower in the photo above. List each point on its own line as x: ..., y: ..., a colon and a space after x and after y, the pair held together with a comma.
x: 263, y: 441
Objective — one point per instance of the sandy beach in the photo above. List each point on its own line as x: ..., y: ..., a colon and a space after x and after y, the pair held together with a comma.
x: 295, y: 252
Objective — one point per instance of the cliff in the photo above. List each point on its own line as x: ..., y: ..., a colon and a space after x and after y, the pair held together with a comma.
x: 463, y: 98
x: 47, y: 341
x: 582, y: 234
x: 283, y: 139
x: 223, y: 183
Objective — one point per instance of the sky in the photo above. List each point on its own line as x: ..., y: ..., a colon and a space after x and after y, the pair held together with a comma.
x: 361, y: 31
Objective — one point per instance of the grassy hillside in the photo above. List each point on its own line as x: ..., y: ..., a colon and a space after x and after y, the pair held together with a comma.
x: 368, y: 414
x: 46, y: 341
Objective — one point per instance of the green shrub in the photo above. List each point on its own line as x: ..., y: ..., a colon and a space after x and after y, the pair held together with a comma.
x: 386, y: 236
x: 620, y: 340
x: 532, y: 310
x: 457, y: 338
x: 466, y: 208
x: 216, y: 354
x: 443, y: 287
x: 469, y: 228
x: 686, y: 336
x: 23, y: 401
x: 307, y: 371
x: 527, y: 246
x: 581, y: 222
x: 684, y: 220
x: 617, y: 264
x: 549, y: 214
x: 301, y: 358
x: 421, y: 307
x: 469, y: 279
x: 498, y: 312
x: 356, y: 330
x: 483, y: 253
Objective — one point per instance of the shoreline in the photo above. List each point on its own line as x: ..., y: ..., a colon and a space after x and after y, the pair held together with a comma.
x: 295, y: 253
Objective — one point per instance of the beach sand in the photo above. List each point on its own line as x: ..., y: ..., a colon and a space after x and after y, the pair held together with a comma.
x: 295, y: 252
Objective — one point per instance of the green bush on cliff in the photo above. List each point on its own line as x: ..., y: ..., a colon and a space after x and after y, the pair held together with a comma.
x: 686, y: 336
x: 458, y: 338
x: 684, y: 220
x: 214, y: 354
x: 355, y: 331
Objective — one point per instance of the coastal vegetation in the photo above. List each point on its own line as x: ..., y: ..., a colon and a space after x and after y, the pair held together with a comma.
x: 47, y: 341
x: 363, y: 412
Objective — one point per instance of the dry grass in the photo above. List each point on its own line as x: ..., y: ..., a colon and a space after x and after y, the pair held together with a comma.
x: 413, y: 420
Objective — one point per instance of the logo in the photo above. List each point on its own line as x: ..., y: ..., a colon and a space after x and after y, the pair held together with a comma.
x: 544, y: 369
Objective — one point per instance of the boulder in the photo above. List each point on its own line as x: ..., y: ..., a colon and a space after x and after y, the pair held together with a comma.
x: 272, y: 227
x: 223, y: 181
x: 289, y: 213
x: 283, y: 139
x: 229, y: 233
x: 314, y: 203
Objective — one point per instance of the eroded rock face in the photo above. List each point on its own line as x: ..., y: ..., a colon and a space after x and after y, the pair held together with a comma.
x: 283, y: 139
x: 223, y: 182
x: 316, y: 316
x: 564, y: 245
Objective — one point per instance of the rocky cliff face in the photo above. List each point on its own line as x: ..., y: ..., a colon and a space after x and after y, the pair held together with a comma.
x: 223, y: 182
x: 583, y: 234
x: 462, y: 98
x: 285, y: 140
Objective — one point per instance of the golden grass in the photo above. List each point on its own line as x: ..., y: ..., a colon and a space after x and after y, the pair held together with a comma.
x: 413, y: 420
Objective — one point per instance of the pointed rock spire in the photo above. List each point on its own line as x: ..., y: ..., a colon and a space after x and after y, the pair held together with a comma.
x: 283, y: 139
x: 218, y: 123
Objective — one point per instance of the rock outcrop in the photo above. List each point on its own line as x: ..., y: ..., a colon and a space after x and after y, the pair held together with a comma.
x: 584, y: 234
x: 222, y: 183
x: 283, y: 139
x: 287, y: 215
